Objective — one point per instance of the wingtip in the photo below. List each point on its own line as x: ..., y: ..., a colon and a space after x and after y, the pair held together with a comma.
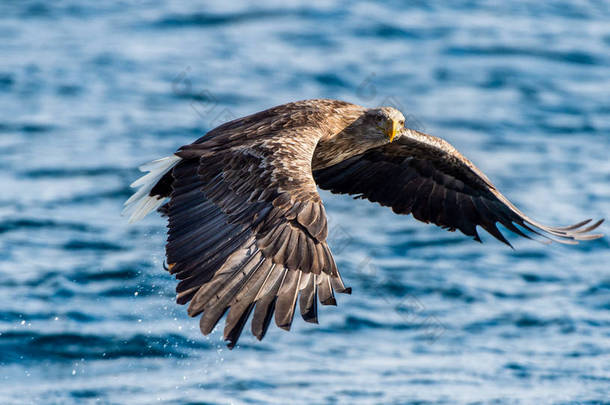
x: 567, y: 235
x: 330, y: 301
x: 574, y: 226
x: 313, y: 319
x: 592, y: 237
x: 285, y: 327
x: 598, y: 223
x: 310, y: 316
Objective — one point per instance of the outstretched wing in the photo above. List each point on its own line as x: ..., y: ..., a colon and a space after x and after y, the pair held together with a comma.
x: 425, y: 176
x: 247, y: 231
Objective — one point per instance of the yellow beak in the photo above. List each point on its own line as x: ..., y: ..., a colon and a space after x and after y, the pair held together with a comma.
x: 390, y: 130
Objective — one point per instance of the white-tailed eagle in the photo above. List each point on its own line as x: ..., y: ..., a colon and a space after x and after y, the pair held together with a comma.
x: 247, y: 227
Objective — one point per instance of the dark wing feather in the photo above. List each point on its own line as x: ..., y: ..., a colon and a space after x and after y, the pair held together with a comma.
x: 247, y: 229
x: 307, y: 301
x: 425, y: 176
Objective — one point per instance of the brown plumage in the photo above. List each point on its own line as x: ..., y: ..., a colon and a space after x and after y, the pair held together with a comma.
x: 247, y: 228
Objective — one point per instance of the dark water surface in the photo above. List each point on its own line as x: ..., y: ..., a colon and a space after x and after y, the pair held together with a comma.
x: 90, y: 90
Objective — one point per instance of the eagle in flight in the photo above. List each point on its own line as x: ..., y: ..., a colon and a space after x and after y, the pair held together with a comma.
x: 247, y: 227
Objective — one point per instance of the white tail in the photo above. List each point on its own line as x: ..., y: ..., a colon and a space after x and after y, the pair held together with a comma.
x: 141, y: 203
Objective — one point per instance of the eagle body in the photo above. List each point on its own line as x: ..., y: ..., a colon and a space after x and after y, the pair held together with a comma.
x: 247, y: 227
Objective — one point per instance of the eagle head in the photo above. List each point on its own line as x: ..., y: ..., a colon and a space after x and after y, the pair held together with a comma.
x: 381, y: 124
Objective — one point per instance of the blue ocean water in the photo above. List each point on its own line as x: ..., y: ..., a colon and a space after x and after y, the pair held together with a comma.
x: 91, y: 90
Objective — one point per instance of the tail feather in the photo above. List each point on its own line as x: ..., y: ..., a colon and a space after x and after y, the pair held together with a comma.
x: 141, y: 202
